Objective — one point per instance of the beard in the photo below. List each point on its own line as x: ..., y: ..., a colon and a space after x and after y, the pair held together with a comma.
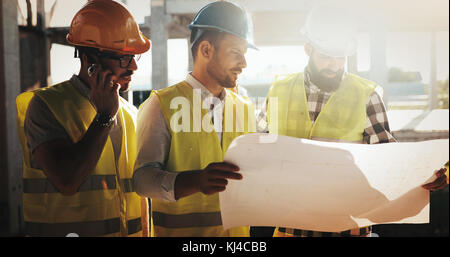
x: 124, y: 87
x: 217, y: 72
x: 327, y: 84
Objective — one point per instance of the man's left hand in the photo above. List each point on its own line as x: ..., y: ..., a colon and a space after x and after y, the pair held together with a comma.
x: 440, y: 182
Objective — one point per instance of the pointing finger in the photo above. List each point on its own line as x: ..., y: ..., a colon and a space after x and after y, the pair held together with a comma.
x: 226, y: 174
x: 226, y: 166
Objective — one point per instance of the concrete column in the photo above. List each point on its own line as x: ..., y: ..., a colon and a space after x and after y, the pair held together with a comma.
x: 159, y: 36
x: 378, y: 68
x: 10, y: 152
x: 433, y: 101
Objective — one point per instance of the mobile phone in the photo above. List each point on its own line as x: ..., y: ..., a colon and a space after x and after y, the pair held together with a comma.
x: 91, y: 69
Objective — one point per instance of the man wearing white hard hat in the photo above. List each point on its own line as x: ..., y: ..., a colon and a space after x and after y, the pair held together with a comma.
x: 327, y: 103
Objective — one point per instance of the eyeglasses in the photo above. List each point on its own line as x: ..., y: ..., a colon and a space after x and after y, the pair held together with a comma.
x: 124, y: 60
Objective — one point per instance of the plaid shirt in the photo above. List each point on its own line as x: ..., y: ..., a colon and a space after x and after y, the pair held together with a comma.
x: 376, y: 131
x: 377, y: 126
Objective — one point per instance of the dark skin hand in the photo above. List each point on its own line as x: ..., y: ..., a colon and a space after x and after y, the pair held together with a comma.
x: 66, y: 164
x: 439, y: 183
x: 211, y: 180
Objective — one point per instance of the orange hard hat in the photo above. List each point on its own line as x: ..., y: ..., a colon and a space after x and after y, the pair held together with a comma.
x: 107, y: 25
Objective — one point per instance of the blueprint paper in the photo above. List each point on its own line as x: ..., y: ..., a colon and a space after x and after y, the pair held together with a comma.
x: 323, y: 186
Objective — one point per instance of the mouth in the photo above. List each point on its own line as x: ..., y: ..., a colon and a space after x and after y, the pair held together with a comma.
x: 329, y: 74
x: 236, y: 73
x: 126, y: 78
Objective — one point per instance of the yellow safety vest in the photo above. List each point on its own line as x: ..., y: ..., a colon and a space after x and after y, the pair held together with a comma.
x: 105, y: 204
x: 198, y: 215
x: 342, y: 119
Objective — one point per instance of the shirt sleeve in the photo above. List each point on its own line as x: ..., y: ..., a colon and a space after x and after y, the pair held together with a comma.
x: 377, y: 129
x: 149, y: 178
x: 41, y: 125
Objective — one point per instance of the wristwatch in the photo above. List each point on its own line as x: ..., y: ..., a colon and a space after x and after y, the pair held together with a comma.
x: 104, y: 120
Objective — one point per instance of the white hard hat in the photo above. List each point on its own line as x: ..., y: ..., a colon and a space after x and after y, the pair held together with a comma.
x: 331, y: 30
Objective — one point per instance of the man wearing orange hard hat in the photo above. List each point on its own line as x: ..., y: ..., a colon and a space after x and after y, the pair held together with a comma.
x: 78, y: 137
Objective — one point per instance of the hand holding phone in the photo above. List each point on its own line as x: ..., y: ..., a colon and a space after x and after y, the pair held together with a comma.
x: 91, y: 69
x: 104, y: 93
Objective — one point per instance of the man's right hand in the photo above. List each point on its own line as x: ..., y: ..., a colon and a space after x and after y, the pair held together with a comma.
x: 67, y: 164
x: 104, y: 93
x: 214, y: 178
x: 211, y: 180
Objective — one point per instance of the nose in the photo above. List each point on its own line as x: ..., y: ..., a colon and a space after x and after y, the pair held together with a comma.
x: 133, y: 65
x: 335, y: 64
x: 243, y: 62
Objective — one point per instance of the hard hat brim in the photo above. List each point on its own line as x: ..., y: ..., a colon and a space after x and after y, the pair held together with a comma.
x: 192, y: 26
x: 349, y: 50
x: 140, y: 50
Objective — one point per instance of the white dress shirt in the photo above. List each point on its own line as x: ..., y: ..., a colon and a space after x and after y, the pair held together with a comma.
x: 153, y: 141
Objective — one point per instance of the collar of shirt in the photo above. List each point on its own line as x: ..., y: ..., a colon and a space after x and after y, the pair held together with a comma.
x: 215, y: 106
x: 205, y: 93
x: 80, y: 86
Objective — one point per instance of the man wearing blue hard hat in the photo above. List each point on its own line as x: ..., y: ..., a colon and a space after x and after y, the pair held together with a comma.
x: 180, y: 155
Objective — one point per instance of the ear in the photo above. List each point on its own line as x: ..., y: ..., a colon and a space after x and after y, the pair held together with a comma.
x: 308, y: 49
x: 206, y: 49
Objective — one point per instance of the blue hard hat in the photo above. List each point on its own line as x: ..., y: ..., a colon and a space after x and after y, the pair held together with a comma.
x: 223, y: 16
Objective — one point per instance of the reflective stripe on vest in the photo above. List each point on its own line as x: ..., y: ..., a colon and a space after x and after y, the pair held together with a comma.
x: 198, y: 214
x: 289, y: 232
x: 128, y: 185
x: 93, y: 182
x: 187, y: 220
x: 99, y: 198
x: 85, y: 228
